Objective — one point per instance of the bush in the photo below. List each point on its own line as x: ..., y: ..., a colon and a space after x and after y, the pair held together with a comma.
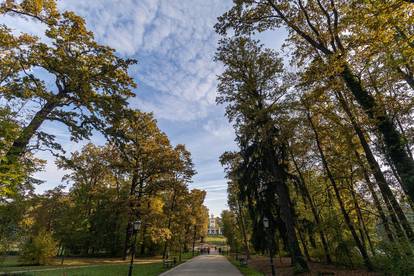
x: 39, y: 250
x: 394, y: 259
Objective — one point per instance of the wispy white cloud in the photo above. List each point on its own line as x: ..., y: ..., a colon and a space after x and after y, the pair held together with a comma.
x: 220, y: 129
x: 174, y: 42
x: 120, y: 24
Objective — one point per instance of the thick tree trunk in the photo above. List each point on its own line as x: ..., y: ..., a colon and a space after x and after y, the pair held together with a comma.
x: 20, y: 144
x: 286, y: 208
x: 314, y: 211
x: 389, y: 198
x: 131, y: 215
x: 345, y: 214
x: 392, y: 138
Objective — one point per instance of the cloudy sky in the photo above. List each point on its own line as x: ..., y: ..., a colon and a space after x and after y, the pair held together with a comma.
x: 174, y: 43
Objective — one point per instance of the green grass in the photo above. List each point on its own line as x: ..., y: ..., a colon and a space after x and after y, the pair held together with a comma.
x: 216, y: 240
x: 98, y: 270
x: 11, y: 264
x: 245, y: 270
x: 9, y: 261
x: 186, y: 256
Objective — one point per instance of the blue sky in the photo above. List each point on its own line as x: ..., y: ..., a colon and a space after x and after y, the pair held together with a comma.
x: 174, y: 43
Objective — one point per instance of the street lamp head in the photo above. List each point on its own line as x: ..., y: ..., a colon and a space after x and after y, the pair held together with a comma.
x: 137, y: 225
x: 266, y: 222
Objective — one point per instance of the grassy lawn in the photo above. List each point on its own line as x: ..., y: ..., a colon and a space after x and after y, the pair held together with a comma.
x: 245, y: 270
x: 140, y: 269
x: 84, y: 266
x: 216, y: 240
x: 88, y: 266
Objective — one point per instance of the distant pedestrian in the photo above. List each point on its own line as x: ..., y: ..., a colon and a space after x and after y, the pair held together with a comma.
x: 208, y: 250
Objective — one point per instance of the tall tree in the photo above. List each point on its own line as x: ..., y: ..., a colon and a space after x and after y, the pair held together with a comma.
x: 320, y: 29
x: 253, y: 89
x: 91, y: 84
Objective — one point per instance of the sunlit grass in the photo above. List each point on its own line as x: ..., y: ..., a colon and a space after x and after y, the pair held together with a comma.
x: 217, y: 240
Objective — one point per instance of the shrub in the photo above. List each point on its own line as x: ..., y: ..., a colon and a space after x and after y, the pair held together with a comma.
x: 394, y: 259
x: 38, y: 250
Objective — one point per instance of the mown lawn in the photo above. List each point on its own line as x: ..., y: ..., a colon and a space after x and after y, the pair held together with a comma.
x: 216, y: 240
x: 82, y: 266
x: 87, y: 266
x: 140, y: 269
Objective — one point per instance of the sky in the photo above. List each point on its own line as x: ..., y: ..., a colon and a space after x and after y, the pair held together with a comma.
x: 174, y: 43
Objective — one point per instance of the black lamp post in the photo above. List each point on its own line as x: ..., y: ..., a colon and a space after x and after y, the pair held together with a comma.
x: 266, y: 227
x: 136, y: 227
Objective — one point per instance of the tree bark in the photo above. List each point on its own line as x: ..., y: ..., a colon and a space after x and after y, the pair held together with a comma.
x: 20, y: 144
x: 286, y: 208
x: 392, y: 138
x: 389, y: 198
x: 304, y: 245
x: 129, y: 228
x: 348, y: 220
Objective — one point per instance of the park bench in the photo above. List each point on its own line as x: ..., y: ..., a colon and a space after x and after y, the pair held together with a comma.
x: 167, y: 263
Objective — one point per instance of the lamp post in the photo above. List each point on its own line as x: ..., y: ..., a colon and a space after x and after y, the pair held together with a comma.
x: 266, y: 227
x: 136, y: 227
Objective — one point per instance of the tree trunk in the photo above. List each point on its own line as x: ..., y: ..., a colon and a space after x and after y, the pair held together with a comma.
x: 243, y: 230
x: 129, y: 227
x: 286, y: 209
x: 194, y: 238
x: 20, y: 144
x: 144, y: 233
x: 363, y: 229
x: 164, y: 252
x: 404, y: 134
x: 348, y: 220
x: 305, y: 247
x: 314, y: 211
x: 389, y: 198
x: 392, y: 138
x: 375, y: 198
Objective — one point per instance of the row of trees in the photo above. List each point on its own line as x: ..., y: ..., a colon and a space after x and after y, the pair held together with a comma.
x: 325, y: 151
x: 68, y: 78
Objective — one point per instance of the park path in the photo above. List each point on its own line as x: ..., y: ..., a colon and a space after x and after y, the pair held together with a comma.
x: 205, y: 265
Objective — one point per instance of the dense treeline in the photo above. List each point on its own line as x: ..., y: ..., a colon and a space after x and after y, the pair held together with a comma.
x: 325, y: 148
x: 69, y: 79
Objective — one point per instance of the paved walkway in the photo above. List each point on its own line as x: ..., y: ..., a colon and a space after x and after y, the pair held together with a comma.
x: 205, y: 265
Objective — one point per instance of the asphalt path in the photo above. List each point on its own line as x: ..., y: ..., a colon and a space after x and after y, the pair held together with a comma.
x: 205, y: 265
